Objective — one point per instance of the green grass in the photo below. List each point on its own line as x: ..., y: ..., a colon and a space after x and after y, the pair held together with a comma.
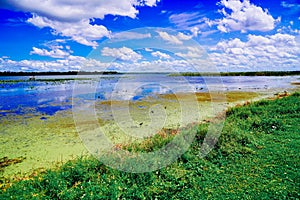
x: 256, y: 157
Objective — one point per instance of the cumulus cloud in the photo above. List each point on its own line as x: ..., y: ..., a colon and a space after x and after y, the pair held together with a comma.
x: 65, y: 10
x: 149, y: 3
x: 76, y: 63
x: 55, y: 52
x: 174, y: 39
x: 159, y: 65
x: 278, y: 40
x: 271, y: 52
x: 195, y: 31
x: 72, y: 18
x: 123, y: 53
x: 170, y: 38
x: 82, y: 31
x: 70, y: 63
x: 192, y: 53
x: 244, y: 17
x: 160, y: 55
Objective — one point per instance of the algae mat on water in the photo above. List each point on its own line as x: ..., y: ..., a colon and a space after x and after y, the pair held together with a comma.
x: 41, y: 141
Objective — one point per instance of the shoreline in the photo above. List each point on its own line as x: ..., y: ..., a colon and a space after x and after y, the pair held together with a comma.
x: 246, y: 73
x: 258, y: 141
x: 48, y: 143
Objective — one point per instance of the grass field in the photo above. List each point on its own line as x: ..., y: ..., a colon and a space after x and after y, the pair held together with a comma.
x: 256, y: 157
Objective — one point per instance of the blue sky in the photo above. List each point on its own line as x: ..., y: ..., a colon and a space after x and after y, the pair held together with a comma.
x: 234, y: 35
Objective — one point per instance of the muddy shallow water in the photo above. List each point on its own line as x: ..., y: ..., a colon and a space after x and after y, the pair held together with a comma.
x: 39, y: 124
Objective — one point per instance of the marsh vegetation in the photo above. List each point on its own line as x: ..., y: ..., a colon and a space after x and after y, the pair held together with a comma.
x: 255, y: 157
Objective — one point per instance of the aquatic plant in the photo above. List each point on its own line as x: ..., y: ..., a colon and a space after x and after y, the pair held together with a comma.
x: 5, y: 161
x: 255, y: 157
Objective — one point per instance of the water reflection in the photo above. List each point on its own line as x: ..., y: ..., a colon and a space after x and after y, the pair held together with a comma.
x: 48, y: 97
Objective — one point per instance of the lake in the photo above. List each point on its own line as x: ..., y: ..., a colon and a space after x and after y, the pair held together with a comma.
x: 47, y: 96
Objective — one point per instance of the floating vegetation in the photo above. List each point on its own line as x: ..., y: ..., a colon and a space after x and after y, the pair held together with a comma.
x: 295, y: 83
x: 256, y: 157
x: 213, y: 96
x: 5, y: 161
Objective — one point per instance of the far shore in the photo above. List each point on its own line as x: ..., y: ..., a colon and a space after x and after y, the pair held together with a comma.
x: 247, y: 73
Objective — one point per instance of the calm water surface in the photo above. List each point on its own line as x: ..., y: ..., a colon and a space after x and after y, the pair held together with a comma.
x: 48, y: 97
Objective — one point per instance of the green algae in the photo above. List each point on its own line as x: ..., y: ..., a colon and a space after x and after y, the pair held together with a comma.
x: 5, y: 161
x: 248, y: 162
x: 45, y: 143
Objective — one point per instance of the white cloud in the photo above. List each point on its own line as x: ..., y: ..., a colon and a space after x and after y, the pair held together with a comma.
x: 151, y: 3
x: 192, y: 53
x: 82, y: 31
x: 148, y: 49
x: 130, y: 36
x: 288, y: 29
x: 155, y: 66
x: 122, y: 53
x: 71, y: 63
x: 174, y: 39
x: 85, y: 64
x: 195, y: 31
x: 161, y: 55
x: 169, y: 38
x: 182, y: 36
x: 186, y: 20
x: 279, y: 51
x: 72, y: 18
x: 65, y: 10
x: 295, y: 7
x: 244, y: 16
x: 56, y: 51
x: 194, y: 22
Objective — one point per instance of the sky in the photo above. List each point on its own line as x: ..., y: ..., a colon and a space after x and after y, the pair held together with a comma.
x: 150, y: 35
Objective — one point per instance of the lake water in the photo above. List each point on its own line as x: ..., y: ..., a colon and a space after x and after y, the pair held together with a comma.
x: 44, y: 96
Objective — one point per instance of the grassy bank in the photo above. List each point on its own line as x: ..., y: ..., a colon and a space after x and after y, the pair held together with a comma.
x: 256, y: 157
